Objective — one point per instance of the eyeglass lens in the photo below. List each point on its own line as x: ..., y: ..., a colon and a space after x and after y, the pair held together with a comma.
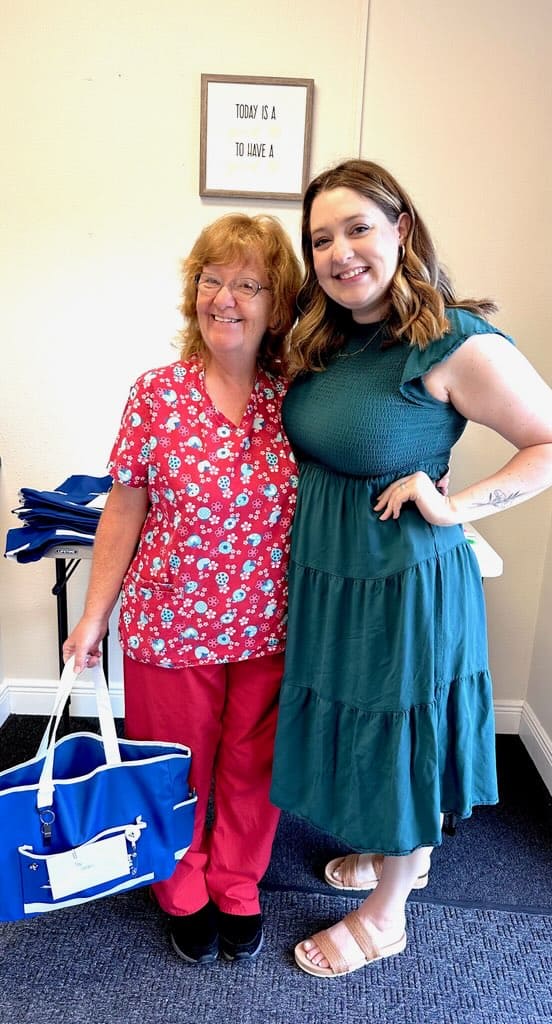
x: 242, y: 287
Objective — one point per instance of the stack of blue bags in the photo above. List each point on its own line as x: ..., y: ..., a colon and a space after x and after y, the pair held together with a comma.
x: 68, y: 515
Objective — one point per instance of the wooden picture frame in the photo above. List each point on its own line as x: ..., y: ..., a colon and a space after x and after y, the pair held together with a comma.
x: 255, y: 136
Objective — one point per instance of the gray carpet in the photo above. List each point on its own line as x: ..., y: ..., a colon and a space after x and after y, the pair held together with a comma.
x: 480, y: 935
x: 110, y: 961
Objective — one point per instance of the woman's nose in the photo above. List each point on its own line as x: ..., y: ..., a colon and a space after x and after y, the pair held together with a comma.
x: 342, y: 250
x: 224, y: 297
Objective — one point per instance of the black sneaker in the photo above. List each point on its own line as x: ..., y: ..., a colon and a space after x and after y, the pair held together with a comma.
x: 194, y: 937
x: 240, y: 937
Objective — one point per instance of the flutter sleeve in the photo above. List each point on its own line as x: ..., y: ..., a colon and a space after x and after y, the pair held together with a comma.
x: 463, y: 325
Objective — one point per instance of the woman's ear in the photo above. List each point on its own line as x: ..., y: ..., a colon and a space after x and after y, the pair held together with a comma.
x: 404, y: 223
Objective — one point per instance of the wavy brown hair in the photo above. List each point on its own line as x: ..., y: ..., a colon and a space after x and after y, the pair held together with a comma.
x: 237, y: 238
x: 419, y: 292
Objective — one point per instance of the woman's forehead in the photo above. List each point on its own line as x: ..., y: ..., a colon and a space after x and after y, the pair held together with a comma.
x: 249, y: 265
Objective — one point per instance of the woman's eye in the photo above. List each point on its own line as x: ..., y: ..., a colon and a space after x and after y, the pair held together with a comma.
x: 359, y: 229
x: 320, y: 242
x: 247, y: 287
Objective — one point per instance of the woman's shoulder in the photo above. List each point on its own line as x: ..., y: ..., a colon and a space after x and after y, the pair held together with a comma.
x: 170, y: 375
x: 272, y: 384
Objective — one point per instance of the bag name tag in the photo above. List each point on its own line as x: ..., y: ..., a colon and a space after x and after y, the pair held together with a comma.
x: 87, y: 866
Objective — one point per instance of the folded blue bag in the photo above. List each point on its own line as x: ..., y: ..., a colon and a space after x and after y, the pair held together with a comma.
x: 91, y: 815
x: 68, y: 515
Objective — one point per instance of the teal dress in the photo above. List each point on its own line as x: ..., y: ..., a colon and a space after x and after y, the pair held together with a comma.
x: 386, y: 712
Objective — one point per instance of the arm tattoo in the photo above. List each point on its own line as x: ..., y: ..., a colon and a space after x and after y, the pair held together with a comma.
x: 498, y: 499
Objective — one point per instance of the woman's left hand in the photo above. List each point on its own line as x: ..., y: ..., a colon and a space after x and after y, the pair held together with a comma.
x: 434, y: 506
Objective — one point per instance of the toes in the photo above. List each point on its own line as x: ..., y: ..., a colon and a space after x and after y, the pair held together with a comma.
x: 336, y: 872
x: 313, y: 954
x: 315, y: 957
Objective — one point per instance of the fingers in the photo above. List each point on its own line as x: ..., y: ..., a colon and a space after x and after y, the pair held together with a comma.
x: 83, y: 658
x: 419, y: 489
x: 442, y: 485
x: 392, y: 499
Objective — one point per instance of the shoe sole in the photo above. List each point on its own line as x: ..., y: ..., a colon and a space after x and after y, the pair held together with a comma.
x: 205, y: 958
x: 241, y: 957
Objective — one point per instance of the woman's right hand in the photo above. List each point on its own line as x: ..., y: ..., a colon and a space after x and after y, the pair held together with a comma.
x: 84, y: 642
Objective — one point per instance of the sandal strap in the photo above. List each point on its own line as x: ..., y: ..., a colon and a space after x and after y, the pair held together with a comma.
x: 338, y: 963
x: 349, y: 869
x: 361, y: 935
x: 377, y: 864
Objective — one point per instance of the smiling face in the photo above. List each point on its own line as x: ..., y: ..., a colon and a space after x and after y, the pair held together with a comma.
x: 355, y: 249
x: 233, y: 328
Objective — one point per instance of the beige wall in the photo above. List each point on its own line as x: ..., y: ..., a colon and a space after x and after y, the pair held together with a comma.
x: 100, y: 195
x: 459, y: 104
x: 100, y: 154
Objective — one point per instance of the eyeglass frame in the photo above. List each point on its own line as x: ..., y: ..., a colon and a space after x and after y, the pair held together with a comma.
x: 230, y: 284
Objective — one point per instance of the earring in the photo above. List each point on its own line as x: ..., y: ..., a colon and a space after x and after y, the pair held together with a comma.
x: 402, y: 253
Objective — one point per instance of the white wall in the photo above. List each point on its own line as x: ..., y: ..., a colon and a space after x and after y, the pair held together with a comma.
x: 100, y: 193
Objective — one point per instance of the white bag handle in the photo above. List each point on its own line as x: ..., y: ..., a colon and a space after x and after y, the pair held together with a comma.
x: 48, y: 742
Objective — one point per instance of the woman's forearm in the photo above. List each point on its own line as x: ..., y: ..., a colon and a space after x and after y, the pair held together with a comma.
x: 526, y: 474
x: 114, y: 546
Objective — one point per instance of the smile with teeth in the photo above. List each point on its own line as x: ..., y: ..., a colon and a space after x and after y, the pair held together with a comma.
x: 348, y: 275
x: 226, y: 319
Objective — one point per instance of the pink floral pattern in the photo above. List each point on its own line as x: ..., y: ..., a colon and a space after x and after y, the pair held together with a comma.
x: 208, y: 581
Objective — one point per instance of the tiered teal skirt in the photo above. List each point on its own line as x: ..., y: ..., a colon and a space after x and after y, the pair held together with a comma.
x: 386, y: 712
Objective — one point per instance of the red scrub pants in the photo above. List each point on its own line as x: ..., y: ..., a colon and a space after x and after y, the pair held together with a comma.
x: 226, y: 714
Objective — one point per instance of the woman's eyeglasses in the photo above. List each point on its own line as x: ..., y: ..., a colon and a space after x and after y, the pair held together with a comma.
x: 243, y: 288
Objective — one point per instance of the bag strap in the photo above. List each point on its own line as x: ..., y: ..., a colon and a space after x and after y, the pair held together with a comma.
x: 48, y: 742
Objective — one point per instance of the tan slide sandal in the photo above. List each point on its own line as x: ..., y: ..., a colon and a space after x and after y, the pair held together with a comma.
x: 350, y: 882
x: 365, y: 937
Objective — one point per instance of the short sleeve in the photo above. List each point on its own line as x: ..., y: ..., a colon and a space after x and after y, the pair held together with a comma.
x: 463, y: 325
x: 130, y: 455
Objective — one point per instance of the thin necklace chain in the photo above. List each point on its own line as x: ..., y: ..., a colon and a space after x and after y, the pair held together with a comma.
x: 348, y: 355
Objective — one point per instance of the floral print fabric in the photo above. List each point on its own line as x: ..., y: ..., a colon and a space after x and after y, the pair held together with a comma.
x: 208, y: 581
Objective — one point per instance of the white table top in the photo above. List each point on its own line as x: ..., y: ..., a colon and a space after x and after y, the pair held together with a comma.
x: 490, y: 563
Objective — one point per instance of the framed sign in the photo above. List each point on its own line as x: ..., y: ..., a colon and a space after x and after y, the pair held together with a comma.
x: 255, y: 136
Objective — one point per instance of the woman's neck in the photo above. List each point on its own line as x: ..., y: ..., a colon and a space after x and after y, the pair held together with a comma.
x: 229, y: 387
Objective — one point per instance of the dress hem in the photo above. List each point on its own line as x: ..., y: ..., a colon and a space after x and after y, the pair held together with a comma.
x: 379, y: 850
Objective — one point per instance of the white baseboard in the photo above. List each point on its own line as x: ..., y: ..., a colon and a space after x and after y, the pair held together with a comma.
x: 508, y: 716
x: 538, y: 744
x: 5, y: 705
x: 36, y: 697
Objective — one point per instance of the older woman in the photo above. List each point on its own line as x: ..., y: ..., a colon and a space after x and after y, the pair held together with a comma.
x: 196, y: 532
x: 386, y: 713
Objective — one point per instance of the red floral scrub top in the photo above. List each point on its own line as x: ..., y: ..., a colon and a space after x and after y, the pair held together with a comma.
x: 208, y: 581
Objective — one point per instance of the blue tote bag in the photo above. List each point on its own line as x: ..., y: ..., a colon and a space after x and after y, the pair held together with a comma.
x: 90, y: 815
